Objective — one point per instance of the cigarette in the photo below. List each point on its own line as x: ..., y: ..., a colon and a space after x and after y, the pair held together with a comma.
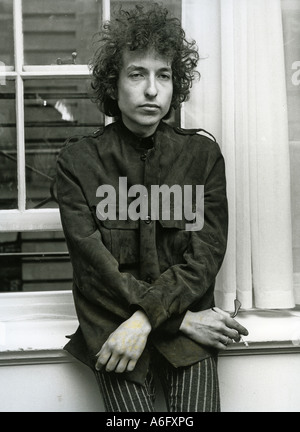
x: 244, y: 342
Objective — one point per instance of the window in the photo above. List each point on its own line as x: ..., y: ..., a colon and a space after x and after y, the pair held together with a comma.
x: 34, y: 261
x: 44, y: 99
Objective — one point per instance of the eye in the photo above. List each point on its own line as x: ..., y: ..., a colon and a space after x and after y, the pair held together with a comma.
x: 165, y: 76
x: 136, y: 75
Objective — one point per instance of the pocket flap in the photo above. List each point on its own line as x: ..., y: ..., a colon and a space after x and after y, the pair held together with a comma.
x: 120, y: 224
x: 177, y: 224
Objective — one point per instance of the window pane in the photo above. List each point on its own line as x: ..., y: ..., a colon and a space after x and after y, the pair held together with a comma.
x: 6, y: 34
x: 8, y: 151
x: 55, y: 29
x: 55, y: 109
x: 34, y: 261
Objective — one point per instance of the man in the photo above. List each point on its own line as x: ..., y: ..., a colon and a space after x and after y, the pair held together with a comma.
x: 144, y: 283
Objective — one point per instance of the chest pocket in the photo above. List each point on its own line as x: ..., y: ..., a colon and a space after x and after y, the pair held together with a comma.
x: 122, y: 239
x: 172, y: 242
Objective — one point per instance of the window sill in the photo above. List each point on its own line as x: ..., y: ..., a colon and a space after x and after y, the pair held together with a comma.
x: 33, y: 327
x: 270, y: 332
x: 28, y: 220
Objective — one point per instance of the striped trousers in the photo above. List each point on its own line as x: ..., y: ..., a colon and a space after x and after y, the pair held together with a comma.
x: 187, y: 389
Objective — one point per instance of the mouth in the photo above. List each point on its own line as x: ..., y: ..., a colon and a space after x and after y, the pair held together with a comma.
x: 150, y: 107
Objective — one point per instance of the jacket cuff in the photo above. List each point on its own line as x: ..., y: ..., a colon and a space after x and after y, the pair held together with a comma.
x: 153, y: 308
x: 172, y: 325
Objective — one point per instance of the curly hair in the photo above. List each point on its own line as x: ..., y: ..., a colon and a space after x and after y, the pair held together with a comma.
x: 141, y: 29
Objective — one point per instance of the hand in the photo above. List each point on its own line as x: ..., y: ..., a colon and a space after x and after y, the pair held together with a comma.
x: 212, y: 327
x: 125, y: 345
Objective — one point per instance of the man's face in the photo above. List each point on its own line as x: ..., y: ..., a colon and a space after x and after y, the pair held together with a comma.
x: 145, y: 90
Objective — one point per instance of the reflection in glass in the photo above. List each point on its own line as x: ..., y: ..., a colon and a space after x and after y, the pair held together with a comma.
x: 34, y: 261
x: 55, y: 29
x: 6, y: 35
x: 8, y: 151
x: 55, y: 109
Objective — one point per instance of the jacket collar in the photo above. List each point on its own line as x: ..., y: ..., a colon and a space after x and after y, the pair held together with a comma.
x: 134, y: 140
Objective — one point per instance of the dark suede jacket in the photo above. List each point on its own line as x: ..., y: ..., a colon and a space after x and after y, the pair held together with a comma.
x: 158, y: 266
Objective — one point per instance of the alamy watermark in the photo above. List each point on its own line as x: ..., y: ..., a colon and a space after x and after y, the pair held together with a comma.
x: 296, y: 75
x: 181, y: 203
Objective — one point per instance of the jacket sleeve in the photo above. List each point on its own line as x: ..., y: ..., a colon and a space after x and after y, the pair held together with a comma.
x: 182, y: 286
x: 95, y: 270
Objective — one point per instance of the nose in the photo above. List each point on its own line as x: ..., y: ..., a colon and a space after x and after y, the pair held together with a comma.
x: 151, y: 87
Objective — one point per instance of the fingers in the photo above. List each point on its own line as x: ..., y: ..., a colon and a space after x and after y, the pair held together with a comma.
x: 232, y: 325
x: 232, y: 334
x: 124, y: 365
x: 117, y: 364
x: 121, y: 366
x: 103, y: 356
x: 113, y: 361
x: 222, y: 342
x: 225, y: 340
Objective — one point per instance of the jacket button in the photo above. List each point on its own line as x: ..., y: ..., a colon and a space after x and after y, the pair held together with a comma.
x: 148, y: 219
x: 143, y: 157
x: 149, y: 279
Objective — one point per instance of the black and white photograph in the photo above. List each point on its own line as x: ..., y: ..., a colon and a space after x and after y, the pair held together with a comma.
x: 150, y: 208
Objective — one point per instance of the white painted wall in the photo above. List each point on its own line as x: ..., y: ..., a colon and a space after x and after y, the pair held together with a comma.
x: 260, y: 383
x: 48, y: 388
x: 257, y: 383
